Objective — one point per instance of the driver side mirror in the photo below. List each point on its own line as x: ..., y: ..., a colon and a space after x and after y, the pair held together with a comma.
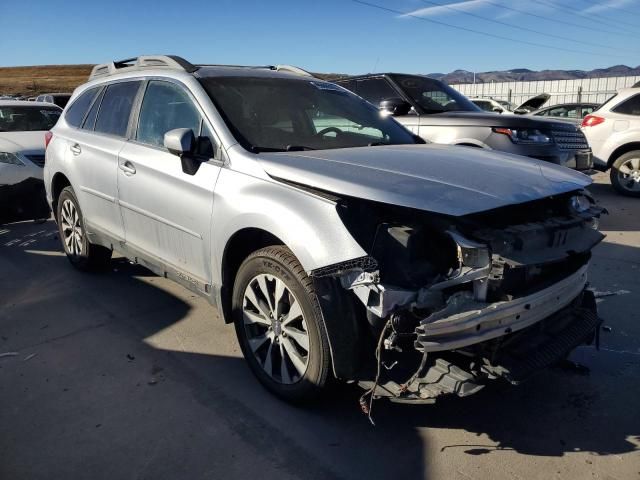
x: 182, y: 143
x: 179, y: 141
x: 498, y: 109
x: 395, y: 106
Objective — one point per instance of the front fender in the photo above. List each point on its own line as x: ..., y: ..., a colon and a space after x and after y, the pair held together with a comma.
x: 306, y: 223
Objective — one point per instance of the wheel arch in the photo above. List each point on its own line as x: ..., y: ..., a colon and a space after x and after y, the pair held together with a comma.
x: 621, y: 150
x: 241, y: 244
x: 58, y: 183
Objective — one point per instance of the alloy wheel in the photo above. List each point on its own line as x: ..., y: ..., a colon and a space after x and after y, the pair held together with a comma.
x: 629, y: 174
x: 72, y: 232
x: 276, y: 329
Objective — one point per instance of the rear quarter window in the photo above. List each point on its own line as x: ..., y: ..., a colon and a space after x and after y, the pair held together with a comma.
x: 79, y: 107
x: 630, y: 106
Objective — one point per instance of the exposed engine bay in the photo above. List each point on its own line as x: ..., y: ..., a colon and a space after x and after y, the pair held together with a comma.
x: 454, y: 301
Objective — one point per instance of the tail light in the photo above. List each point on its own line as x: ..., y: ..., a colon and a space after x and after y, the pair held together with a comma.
x: 47, y: 138
x: 592, y: 121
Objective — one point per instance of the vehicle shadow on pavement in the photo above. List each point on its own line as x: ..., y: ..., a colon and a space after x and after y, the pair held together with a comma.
x: 204, y: 403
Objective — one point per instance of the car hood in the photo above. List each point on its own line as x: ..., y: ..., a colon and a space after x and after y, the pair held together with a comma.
x: 463, y: 118
x: 436, y: 178
x: 25, y: 142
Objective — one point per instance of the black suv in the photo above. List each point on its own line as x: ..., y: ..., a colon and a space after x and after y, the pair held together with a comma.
x: 440, y: 114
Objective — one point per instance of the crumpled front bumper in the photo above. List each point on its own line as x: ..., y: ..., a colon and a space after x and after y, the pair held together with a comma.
x: 480, y: 322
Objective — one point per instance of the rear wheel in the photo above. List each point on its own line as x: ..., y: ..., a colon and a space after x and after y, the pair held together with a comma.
x: 279, y: 324
x: 82, y: 254
x: 625, y: 174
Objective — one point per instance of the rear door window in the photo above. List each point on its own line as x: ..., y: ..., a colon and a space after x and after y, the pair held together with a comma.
x: 79, y: 107
x: 630, y: 106
x: 115, y: 108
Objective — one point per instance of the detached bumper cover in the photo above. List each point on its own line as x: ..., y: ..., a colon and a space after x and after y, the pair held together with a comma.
x: 481, y: 322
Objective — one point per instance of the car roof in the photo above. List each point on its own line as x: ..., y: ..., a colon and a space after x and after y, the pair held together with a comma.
x: 25, y: 103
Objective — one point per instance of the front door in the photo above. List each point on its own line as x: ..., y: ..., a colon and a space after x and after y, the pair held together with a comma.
x: 166, y: 212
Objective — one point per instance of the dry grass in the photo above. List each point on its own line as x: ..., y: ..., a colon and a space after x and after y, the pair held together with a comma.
x: 42, y: 79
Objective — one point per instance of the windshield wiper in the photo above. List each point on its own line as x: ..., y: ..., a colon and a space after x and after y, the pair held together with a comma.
x: 297, y: 148
x: 377, y: 144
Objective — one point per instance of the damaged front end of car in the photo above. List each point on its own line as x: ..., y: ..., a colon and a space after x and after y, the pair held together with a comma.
x: 451, y: 302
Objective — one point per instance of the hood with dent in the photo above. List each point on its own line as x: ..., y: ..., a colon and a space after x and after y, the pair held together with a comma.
x: 436, y: 178
x: 22, y: 142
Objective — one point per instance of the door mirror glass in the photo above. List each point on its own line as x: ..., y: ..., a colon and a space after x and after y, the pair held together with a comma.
x: 395, y: 106
x: 179, y: 141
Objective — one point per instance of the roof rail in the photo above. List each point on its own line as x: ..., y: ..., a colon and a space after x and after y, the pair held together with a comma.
x: 291, y: 69
x: 140, y: 63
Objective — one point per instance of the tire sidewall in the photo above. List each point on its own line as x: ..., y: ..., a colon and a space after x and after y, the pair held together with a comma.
x: 316, y: 373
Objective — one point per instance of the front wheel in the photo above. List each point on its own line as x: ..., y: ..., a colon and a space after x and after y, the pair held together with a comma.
x: 625, y: 174
x: 279, y: 324
x: 82, y: 254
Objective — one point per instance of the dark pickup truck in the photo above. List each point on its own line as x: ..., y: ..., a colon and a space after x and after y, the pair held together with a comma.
x: 440, y: 114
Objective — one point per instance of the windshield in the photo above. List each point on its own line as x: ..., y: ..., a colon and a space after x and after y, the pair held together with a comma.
x: 28, y: 118
x: 434, y: 96
x: 280, y: 114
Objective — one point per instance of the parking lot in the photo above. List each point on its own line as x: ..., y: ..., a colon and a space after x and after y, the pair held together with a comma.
x: 127, y: 375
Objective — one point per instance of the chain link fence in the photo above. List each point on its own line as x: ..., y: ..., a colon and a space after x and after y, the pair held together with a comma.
x: 587, y: 90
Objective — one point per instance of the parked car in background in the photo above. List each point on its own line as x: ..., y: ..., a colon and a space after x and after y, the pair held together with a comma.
x: 325, y: 230
x: 22, y: 132
x: 613, y: 131
x: 573, y: 112
x: 60, y: 99
x: 441, y: 114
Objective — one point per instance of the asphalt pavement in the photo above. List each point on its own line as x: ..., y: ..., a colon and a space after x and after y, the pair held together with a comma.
x: 127, y: 375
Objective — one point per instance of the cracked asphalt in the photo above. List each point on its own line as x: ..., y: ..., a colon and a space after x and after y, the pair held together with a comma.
x: 127, y: 375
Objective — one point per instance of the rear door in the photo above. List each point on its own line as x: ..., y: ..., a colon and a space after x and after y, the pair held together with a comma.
x: 166, y: 212
x: 94, y: 152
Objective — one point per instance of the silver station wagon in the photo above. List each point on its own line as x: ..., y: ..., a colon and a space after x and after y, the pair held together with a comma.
x: 332, y: 237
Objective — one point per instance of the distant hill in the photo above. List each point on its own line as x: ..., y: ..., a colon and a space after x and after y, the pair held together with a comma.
x: 42, y: 79
x: 526, y: 75
x: 34, y: 80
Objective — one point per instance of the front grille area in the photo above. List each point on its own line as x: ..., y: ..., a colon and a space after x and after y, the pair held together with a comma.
x: 37, y: 159
x: 570, y: 139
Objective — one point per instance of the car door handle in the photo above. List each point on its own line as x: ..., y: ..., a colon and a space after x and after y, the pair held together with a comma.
x: 75, y: 149
x: 128, y: 168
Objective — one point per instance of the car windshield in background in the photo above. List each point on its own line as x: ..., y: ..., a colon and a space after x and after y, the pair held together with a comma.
x: 27, y: 119
x: 277, y: 114
x: 434, y: 96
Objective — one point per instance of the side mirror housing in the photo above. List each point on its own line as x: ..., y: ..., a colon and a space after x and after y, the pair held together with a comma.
x: 395, y: 106
x: 498, y: 109
x: 180, y: 141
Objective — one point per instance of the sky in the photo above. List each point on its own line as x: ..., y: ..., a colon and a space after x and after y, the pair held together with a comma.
x: 337, y: 36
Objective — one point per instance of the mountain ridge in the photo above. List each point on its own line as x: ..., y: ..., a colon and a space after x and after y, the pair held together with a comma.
x: 526, y: 75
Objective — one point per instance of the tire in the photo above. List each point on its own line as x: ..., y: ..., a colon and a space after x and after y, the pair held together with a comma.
x: 80, y: 252
x: 625, y: 174
x: 295, y: 341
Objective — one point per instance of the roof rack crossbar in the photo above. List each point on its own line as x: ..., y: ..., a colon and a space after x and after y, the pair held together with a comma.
x: 142, y: 62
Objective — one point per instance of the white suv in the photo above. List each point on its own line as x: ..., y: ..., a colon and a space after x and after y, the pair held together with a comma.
x: 331, y: 236
x: 613, y: 132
